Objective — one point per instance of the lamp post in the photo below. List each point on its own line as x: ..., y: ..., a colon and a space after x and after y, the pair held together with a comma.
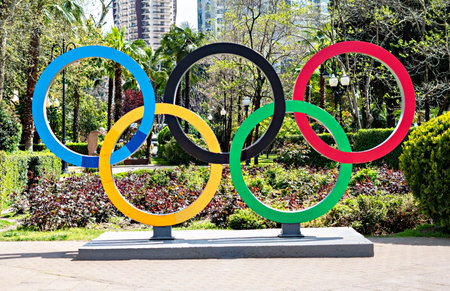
x: 246, y: 103
x: 63, y: 48
x: 51, y: 106
x: 338, y: 91
x: 223, y: 113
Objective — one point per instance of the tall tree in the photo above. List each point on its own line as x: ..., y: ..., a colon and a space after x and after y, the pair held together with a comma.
x: 177, y: 43
x: 133, y: 48
x: 44, y: 11
x: 269, y: 27
x: 6, y: 14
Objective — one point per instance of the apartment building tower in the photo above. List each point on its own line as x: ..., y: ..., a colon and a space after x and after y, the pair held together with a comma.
x: 210, y: 15
x: 145, y: 19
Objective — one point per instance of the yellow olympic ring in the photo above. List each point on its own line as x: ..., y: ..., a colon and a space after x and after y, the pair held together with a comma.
x: 127, y: 208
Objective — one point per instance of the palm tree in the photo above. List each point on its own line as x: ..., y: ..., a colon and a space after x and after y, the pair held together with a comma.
x: 135, y: 49
x: 6, y: 14
x: 177, y: 43
x: 45, y: 11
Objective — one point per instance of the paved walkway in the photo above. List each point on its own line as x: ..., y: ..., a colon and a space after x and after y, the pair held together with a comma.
x: 399, y: 264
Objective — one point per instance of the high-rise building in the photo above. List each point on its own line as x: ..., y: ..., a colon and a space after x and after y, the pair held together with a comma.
x: 210, y: 14
x: 145, y: 19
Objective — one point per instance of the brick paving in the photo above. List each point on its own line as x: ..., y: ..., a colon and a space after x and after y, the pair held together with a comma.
x: 398, y: 264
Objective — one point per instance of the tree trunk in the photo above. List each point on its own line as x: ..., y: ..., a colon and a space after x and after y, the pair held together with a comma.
x: 6, y: 11
x: 76, y: 114
x: 118, y: 91
x: 110, y: 100
x: 390, y: 117
x: 322, y: 87
x: 257, y: 105
x: 28, y: 128
x: 426, y: 96
x: 187, y: 98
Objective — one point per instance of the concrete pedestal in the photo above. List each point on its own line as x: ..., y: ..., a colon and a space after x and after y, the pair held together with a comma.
x: 208, y: 244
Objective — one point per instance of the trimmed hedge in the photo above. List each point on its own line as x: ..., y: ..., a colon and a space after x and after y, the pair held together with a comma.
x: 362, y: 140
x: 80, y: 147
x: 426, y: 164
x: 10, y: 128
x: 18, y: 167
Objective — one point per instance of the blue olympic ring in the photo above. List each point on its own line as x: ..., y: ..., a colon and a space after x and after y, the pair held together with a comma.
x: 40, y: 112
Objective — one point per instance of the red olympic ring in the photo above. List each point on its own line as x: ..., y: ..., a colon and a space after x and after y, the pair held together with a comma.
x: 403, y: 81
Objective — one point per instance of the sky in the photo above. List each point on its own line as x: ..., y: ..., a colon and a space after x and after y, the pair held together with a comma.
x: 186, y: 12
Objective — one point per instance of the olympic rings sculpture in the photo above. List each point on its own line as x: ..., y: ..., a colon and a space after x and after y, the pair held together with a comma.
x: 214, y: 156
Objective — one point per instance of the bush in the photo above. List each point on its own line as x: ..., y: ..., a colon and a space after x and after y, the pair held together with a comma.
x: 17, y: 168
x: 10, y: 128
x: 78, y: 147
x: 173, y: 154
x: 363, y: 140
x: 426, y: 164
x: 374, y: 214
x: 73, y: 202
x: 246, y: 219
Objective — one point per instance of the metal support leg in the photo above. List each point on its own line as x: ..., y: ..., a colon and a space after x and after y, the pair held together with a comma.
x: 290, y: 230
x: 162, y: 233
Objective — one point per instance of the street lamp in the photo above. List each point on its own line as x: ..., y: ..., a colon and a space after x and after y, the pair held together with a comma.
x: 333, y: 81
x: 345, y: 80
x: 338, y: 91
x: 210, y: 117
x: 63, y: 48
x: 223, y: 112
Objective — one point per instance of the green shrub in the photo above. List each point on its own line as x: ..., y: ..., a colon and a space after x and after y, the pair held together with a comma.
x: 426, y: 164
x: 366, y: 139
x: 246, y: 219
x: 173, y: 154
x: 10, y: 128
x: 363, y: 140
x: 295, y: 150
x: 78, y: 147
x: 18, y: 167
x: 164, y: 136
x: 374, y: 214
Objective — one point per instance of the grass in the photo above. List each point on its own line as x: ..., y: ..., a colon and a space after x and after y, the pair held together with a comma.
x: 5, y: 223
x: 424, y: 230
x: 85, y: 234
x: 23, y: 234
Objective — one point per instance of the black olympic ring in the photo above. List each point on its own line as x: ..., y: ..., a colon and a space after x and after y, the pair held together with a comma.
x: 226, y: 48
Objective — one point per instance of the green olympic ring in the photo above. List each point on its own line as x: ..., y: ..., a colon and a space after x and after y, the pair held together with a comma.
x: 289, y: 216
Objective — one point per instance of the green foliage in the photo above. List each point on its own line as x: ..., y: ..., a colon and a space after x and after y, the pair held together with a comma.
x: 164, y: 136
x: 362, y: 140
x: 364, y: 174
x: 78, y: 147
x: 17, y: 168
x: 374, y: 214
x: 426, y: 164
x: 173, y: 154
x: 10, y: 128
x: 246, y: 219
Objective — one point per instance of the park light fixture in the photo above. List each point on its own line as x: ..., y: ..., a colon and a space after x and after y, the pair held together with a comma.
x: 16, y: 97
x: 56, y: 103
x: 210, y: 117
x: 325, y: 74
x: 345, y: 80
x: 333, y: 81
x: 246, y: 101
x: 223, y: 112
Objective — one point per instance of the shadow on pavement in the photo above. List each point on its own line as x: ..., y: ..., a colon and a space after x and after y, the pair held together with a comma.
x: 49, y: 255
x: 413, y: 241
